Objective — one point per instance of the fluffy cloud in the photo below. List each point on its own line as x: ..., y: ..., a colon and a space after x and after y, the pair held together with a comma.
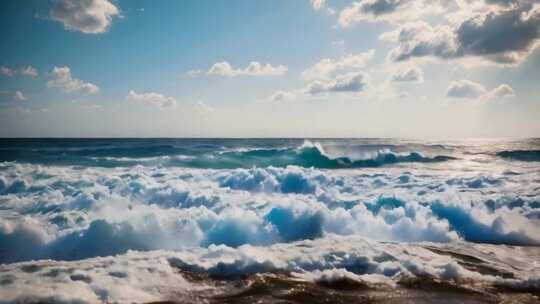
x: 473, y: 90
x: 333, y: 76
x: 26, y: 71
x: 465, y: 89
x: 151, y: 98
x: 19, y: 96
x: 63, y: 80
x: 87, y: 16
x: 347, y: 83
x: 7, y: 71
x: 408, y: 74
x: 29, y: 71
x: 386, y: 10
x: 281, y: 95
x: 318, y: 4
x: 253, y: 69
x: 326, y: 68
x: 321, y: 5
x: 502, y: 36
x: 418, y: 39
x: 503, y: 91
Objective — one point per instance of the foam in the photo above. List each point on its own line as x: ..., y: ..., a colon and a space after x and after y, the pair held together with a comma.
x: 159, y: 275
x: 75, y: 212
x: 19, y: 239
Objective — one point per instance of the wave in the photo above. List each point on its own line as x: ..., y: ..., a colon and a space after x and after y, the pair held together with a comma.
x: 69, y: 213
x: 310, y: 155
x: 220, y: 155
x: 523, y: 155
x: 103, y: 156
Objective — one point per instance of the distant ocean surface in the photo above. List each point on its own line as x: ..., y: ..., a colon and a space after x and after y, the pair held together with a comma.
x: 271, y: 220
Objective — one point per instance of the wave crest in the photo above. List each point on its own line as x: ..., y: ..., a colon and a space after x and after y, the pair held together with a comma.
x: 310, y: 155
x: 523, y: 155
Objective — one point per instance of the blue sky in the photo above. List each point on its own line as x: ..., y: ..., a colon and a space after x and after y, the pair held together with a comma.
x: 368, y: 68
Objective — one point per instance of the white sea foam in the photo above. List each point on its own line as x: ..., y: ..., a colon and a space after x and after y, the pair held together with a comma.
x: 157, y: 275
x: 73, y: 212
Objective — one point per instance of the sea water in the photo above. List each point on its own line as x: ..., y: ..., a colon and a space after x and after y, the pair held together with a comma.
x: 123, y: 220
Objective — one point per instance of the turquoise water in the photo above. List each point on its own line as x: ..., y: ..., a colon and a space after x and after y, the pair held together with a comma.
x: 247, y: 153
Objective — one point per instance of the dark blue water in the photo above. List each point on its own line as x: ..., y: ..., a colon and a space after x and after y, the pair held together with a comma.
x: 247, y: 153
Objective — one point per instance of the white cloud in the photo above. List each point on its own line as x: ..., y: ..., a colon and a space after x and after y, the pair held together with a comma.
x: 152, y: 98
x: 408, y: 74
x: 193, y: 73
x: 321, y: 5
x: 87, y: 16
x: 318, y: 4
x: 203, y: 108
x: 340, y: 75
x: 29, y: 71
x: 63, y: 80
x: 347, y: 83
x: 7, y: 71
x: 417, y: 39
x: 465, y: 89
x: 19, y: 96
x: 326, y: 68
x: 26, y: 71
x: 253, y: 69
x: 472, y: 90
x: 503, y: 91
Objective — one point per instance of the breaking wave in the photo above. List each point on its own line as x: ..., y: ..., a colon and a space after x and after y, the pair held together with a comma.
x: 306, y: 155
x: 69, y: 213
x: 523, y: 155
x: 312, y: 155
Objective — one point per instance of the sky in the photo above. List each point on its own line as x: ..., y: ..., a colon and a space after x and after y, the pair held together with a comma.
x: 270, y: 68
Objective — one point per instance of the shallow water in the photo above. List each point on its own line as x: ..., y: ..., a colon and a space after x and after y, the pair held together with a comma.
x: 172, y: 217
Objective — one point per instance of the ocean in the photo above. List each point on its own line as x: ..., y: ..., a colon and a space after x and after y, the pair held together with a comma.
x: 269, y: 220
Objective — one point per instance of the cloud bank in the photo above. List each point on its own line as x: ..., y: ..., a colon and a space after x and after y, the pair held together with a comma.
x: 500, y: 36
